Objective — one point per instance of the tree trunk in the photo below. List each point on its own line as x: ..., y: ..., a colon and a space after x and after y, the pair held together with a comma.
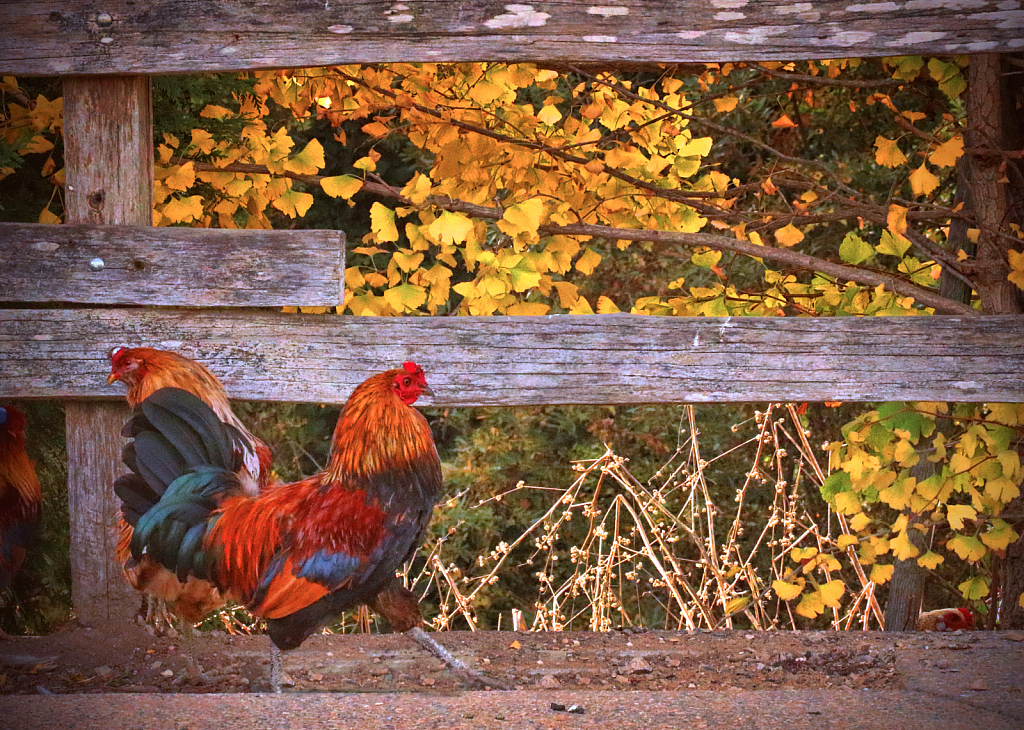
x: 906, y: 588
x: 997, y: 200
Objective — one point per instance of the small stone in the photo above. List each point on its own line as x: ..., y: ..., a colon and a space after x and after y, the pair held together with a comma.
x: 748, y: 637
x: 315, y: 677
x: 1014, y: 636
x: 167, y: 673
x: 691, y: 685
x: 621, y: 679
x: 427, y: 681
x: 582, y: 680
x: 673, y: 662
x: 977, y: 685
x: 548, y: 681
x: 156, y: 665
x: 637, y: 665
x: 287, y: 680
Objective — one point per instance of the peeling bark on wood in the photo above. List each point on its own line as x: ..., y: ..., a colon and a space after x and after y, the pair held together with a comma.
x: 171, y: 266
x: 108, y: 153
x: 532, y: 360
x: 188, y: 36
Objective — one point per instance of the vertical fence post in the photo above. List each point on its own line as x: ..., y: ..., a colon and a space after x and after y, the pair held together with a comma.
x: 108, y: 153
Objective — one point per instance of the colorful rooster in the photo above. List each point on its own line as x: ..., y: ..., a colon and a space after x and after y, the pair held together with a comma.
x: 145, y: 370
x: 298, y: 554
x: 20, y: 498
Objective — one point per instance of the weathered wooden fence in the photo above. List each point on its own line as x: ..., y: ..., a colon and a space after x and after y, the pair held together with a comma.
x: 195, y: 291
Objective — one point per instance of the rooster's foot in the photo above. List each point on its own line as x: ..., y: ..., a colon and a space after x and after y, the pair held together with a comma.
x: 457, y: 666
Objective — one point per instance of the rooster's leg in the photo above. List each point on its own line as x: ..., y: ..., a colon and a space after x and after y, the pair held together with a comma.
x: 188, y: 644
x: 457, y: 666
x: 401, y: 609
x: 276, y: 669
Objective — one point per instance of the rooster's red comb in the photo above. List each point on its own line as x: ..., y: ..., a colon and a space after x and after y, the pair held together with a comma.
x: 117, y: 352
x: 410, y: 367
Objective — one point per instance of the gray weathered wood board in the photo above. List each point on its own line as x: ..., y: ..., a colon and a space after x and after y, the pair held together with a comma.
x: 188, y: 36
x: 94, y: 441
x: 171, y: 266
x: 532, y: 360
x: 108, y: 155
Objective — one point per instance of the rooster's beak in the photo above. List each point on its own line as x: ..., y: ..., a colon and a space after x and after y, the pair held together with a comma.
x: 111, y: 378
x: 427, y: 391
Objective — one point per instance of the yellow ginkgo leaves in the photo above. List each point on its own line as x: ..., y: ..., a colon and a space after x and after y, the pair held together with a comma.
x: 887, y: 152
x: 341, y: 186
x: 382, y: 223
x: 1016, y: 260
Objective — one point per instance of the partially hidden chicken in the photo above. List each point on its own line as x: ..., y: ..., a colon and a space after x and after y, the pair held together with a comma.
x: 946, y: 619
x: 20, y: 497
x: 144, y: 370
x: 297, y: 554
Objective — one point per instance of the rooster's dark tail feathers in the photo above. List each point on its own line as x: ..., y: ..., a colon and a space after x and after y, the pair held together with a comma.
x: 183, y: 459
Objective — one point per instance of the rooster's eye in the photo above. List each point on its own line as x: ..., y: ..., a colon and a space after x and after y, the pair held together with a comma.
x: 406, y: 381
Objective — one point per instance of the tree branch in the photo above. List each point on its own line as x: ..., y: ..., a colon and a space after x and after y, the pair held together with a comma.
x: 825, y: 81
x: 719, y: 243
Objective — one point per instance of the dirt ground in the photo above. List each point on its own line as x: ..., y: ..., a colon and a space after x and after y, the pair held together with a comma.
x: 125, y: 658
x: 119, y: 676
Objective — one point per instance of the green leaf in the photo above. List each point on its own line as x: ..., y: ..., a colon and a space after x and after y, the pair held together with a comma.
x: 706, y: 259
x: 893, y: 245
x: 523, y: 276
x: 948, y: 75
x: 1000, y: 535
x: 855, y: 249
x: 405, y: 297
x: 974, y: 588
x: 907, y: 67
x: 837, y: 481
x: 967, y: 547
x: 715, y: 308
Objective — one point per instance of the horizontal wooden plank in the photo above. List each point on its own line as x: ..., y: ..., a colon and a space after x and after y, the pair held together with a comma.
x: 171, y: 266
x: 532, y: 360
x: 62, y: 37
